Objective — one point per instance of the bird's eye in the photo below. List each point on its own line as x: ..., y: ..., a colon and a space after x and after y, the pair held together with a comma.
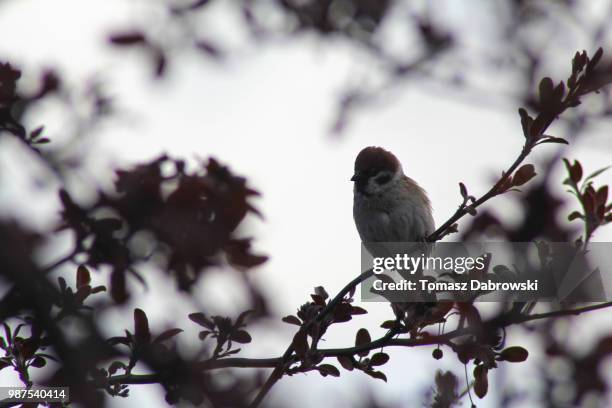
x: 382, y: 179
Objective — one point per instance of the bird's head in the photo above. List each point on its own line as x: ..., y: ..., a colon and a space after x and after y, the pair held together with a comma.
x: 376, y: 170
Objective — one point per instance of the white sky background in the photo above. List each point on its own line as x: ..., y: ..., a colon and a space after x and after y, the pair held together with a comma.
x: 266, y: 113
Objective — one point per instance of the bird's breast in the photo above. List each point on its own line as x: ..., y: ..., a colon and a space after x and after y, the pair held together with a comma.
x: 379, y: 220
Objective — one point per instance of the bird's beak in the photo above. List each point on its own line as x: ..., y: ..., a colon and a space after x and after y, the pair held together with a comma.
x: 355, y: 177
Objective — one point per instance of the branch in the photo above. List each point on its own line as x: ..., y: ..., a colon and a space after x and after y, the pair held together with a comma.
x: 562, y: 313
x: 208, y: 365
x: 502, y: 321
x: 463, y: 208
x: 279, y: 370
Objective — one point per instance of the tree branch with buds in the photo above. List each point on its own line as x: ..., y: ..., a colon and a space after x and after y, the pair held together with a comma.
x: 553, y: 101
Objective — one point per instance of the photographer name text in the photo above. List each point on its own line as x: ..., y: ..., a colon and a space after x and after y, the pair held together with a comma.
x: 472, y: 285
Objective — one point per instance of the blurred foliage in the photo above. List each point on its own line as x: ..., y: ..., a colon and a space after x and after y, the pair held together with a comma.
x: 187, y: 220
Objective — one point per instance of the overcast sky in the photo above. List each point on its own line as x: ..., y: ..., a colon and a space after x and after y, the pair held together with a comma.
x: 266, y: 113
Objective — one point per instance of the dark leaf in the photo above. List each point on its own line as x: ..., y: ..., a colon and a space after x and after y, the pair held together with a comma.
x: 596, y: 173
x: 377, y: 374
x: 231, y: 352
x: 83, y: 276
x: 481, y: 382
x: 546, y: 90
x: 575, y: 215
x: 356, y: 310
x: 328, y: 369
x: 379, y: 359
x: 240, y: 336
x: 168, y: 334
x: 36, y: 132
x: 525, y: 173
x: 361, y: 339
x: 388, y: 324
x: 98, y: 289
x: 47, y: 356
x: 128, y: 38
x: 38, y: 362
x: 292, y: 320
x: 601, y: 197
x: 463, y: 191
x: 141, y: 327
x: 595, y: 58
x: 514, y: 354
x: 300, y: 344
x: 240, y: 321
x: 346, y: 362
x: 115, y: 366
x: 575, y: 171
x: 526, y: 122
x: 553, y: 139
x: 113, y: 341
x: 320, y: 291
x: 202, y: 320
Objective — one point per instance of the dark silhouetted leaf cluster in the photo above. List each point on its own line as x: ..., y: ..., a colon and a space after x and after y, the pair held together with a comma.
x: 193, y: 225
x: 596, y: 211
x: 224, y: 330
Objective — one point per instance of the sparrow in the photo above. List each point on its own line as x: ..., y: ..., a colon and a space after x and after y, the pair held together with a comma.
x: 388, y: 206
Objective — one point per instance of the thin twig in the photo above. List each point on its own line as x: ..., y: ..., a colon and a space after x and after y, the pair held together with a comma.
x: 209, y: 365
x: 279, y: 370
x: 462, y: 210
